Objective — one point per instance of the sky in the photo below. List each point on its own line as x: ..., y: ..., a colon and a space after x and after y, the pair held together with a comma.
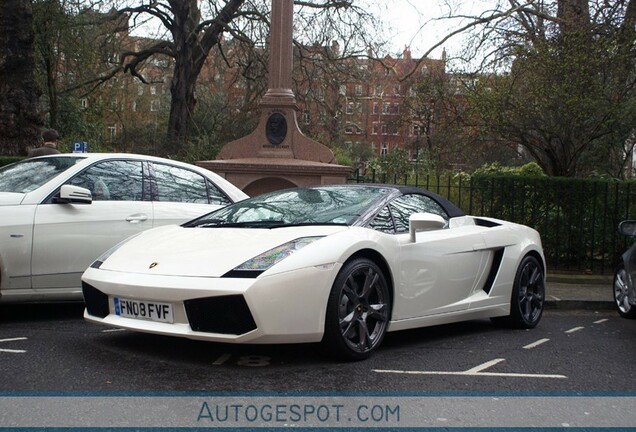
x: 420, y: 24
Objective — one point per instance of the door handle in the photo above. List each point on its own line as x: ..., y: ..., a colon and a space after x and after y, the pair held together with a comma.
x: 137, y: 218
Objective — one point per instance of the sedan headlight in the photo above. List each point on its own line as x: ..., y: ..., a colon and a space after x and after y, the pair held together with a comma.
x: 260, y: 263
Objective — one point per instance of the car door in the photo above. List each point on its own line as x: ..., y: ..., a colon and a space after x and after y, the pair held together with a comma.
x: 436, y: 273
x: 68, y: 237
x: 180, y: 195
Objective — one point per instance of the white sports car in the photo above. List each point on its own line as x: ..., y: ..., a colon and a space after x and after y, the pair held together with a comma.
x: 339, y: 264
x: 59, y: 213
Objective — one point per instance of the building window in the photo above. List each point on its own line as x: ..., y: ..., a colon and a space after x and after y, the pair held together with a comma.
x: 322, y: 117
x: 306, y: 117
x: 154, y: 105
x: 134, y: 106
x: 377, y: 90
x: 112, y: 132
x: 343, y: 89
x: 386, y: 107
x: 358, y: 90
x: 384, y: 150
x: 349, y: 129
x: 376, y: 128
x: 84, y: 103
x: 153, y: 90
x: 376, y: 107
x: 349, y: 109
x: 320, y: 94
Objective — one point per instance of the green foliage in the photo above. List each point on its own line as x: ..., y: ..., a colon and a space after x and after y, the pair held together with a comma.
x: 495, y: 168
x: 6, y: 160
x: 568, y: 101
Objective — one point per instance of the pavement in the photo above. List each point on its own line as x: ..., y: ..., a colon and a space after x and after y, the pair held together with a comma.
x: 579, y: 291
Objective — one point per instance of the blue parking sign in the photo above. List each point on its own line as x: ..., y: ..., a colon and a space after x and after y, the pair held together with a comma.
x: 80, y: 147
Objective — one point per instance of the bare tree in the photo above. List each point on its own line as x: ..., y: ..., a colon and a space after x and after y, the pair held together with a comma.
x: 195, y: 30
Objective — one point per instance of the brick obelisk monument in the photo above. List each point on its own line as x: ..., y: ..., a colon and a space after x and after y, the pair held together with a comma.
x: 277, y: 155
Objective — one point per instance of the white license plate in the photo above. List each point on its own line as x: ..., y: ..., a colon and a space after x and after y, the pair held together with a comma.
x: 147, y: 310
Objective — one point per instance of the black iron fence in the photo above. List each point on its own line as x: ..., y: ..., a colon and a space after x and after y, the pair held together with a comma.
x: 577, y: 218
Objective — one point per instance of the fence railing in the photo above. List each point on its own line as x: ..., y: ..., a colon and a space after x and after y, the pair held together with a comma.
x: 577, y: 218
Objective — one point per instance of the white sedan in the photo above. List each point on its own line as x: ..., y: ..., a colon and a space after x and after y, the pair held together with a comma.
x: 338, y: 264
x: 59, y: 213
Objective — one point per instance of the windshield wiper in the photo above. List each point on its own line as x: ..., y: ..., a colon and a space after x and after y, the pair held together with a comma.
x: 246, y: 224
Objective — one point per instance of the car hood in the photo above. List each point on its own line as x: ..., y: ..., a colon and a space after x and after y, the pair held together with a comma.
x: 10, y: 198
x: 202, y: 252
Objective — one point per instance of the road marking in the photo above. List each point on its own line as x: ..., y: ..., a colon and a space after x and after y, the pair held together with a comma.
x: 476, y: 371
x: 536, y: 344
x: 601, y: 321
x: 13, y: 351
x: 113, y: 330
x: 575, y: 329
x: 222, y: 359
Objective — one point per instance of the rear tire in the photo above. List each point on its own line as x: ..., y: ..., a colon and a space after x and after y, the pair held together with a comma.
x: 528, y: 296
x: 620, y: 293
x: 357, y: 311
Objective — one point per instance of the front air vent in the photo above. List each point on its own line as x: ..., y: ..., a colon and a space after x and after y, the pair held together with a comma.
x: 96, y: 301
x: 225, y: 315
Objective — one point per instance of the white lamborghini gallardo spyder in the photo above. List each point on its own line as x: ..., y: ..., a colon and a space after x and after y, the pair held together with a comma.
x: 339, y: 264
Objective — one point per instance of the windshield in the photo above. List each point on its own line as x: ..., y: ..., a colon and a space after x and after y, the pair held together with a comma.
x: 333, y: 205
x: 29, y: 174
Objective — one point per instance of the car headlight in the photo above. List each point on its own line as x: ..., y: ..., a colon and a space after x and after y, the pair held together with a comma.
x: 257, y: 265
x: 103, y: 257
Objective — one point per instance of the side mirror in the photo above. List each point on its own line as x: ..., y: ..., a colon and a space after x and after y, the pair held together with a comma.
x: 627, y: 227
x: 70, y: 194
x: 425, y: 222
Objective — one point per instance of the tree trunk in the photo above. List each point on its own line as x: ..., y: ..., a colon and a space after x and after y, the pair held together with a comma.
x: 19, y: 119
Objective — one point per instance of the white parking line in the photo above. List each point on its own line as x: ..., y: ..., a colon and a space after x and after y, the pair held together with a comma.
x: 575, y: 329
x: 601, y: 321
x: 13, y: 351
x: 113, y: 330
x: 476, y: 371
x: 536, y: 344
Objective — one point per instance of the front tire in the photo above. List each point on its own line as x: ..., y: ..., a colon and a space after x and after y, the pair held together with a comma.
x: 528, y: 296
x: 621, y: 293
x: 357, y: 311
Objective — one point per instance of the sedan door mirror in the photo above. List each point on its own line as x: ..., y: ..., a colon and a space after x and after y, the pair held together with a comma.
x: 425, y: 222
x: 627, y: 227
x: 70, y: 194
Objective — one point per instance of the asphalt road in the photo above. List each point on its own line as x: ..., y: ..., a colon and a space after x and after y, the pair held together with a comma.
x: 50, y: 348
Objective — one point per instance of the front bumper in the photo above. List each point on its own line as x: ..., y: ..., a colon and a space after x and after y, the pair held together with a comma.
x: 282, y: 308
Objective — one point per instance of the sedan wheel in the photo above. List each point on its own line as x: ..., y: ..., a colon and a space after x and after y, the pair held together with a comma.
x: 621, y: 294
x: 357, y: 311
x: 528, y: 295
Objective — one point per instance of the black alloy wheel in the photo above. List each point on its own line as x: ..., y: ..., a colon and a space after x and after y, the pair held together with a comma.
x: 357, y: 311
x: 528, y: 296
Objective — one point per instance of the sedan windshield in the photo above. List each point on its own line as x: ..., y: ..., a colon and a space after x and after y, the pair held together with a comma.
x: 333, y: 205
x: 28, y: 175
